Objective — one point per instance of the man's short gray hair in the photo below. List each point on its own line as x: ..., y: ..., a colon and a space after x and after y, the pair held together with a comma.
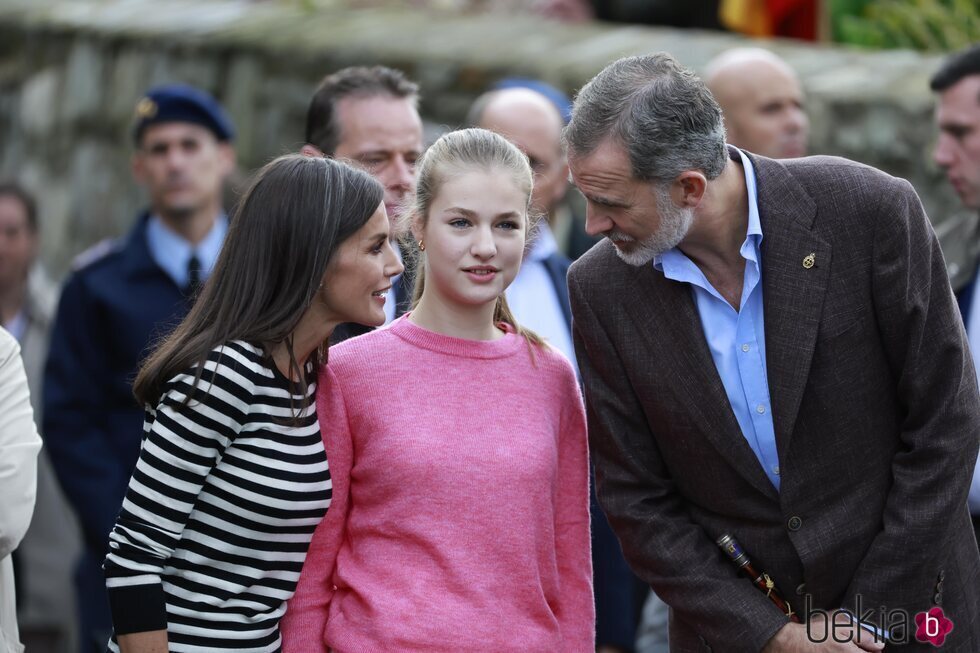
x: 662, y: 113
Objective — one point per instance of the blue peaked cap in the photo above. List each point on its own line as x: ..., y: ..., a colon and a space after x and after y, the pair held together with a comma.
x: 182, y: 103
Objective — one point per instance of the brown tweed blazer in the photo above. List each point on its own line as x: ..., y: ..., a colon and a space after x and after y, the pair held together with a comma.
x: 875, y: 407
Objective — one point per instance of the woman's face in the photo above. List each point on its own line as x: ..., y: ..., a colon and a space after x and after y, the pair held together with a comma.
x: 358, y: 278
x: 474, y: 238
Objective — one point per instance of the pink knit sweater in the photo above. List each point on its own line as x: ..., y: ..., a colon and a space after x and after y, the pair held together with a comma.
x: 460, y: 517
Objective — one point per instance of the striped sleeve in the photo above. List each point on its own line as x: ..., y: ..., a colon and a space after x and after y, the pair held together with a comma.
x: 183, y: 440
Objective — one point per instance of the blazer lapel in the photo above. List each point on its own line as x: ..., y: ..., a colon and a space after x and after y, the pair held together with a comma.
x: 671, y: 329
x: 796, y: 265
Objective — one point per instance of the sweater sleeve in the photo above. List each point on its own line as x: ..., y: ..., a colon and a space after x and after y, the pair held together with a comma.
x: 304, y: 625
x: 182, y: 443
x: 576, y: 609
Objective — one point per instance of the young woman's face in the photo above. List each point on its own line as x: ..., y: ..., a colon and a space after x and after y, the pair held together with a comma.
x: 358, y: 278
x: 474, y: 237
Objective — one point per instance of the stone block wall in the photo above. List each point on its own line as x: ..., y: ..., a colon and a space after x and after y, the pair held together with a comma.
x: 71, y: 72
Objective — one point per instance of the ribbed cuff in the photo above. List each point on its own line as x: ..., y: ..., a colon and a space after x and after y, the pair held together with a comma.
x: 138, y: 608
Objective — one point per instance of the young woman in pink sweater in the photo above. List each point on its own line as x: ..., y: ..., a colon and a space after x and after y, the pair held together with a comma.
x: 457, y: 447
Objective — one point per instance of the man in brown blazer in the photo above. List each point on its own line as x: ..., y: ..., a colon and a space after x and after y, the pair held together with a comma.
x: 771, y: 350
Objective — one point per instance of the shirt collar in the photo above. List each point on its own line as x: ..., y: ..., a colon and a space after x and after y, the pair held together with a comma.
x: 172, y: 252
x: 672, y: 261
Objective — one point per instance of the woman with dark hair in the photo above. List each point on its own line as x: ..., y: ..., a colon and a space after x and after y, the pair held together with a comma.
x: 232, y: 477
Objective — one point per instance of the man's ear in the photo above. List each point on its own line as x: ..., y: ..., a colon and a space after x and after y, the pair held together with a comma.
x: 310, y: 150
x: 136, y: 167
x: 562, y: 186
x: 688, y: 189
x: 228, y: 158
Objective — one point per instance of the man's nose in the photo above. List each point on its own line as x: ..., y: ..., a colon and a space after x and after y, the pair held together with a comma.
x: 596, y: 221
x: 798, y: 120
x: 402, y: 174
x: 175, y: 159
x: 943, y: 154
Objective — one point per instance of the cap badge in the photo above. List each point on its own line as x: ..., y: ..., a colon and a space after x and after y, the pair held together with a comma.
x: 146, y: 108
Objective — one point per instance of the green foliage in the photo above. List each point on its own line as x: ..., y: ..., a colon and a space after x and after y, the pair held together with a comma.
x: 935, y: 25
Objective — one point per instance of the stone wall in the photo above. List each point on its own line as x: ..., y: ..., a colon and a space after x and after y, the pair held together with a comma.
x: 71, y: 72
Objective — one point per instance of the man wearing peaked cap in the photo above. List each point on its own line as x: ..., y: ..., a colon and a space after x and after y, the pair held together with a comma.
x: 120, y: 298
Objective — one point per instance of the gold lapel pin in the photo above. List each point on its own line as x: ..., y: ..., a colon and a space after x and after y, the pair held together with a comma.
x: 809, y: 260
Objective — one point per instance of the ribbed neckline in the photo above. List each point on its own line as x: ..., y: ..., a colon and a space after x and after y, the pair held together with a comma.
x: 461, y: 347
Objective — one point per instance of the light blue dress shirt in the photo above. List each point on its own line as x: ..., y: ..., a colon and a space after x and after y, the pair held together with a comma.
x: 533, y: 299
x: 737, y: 339
x: 172, y: 252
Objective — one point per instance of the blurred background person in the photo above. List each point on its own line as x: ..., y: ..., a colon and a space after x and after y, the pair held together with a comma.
x: 957, y: 152
x: 47, y: 554
x: 19, y: 446
x: 120, y: 299
x: 761, y: 101
x: 369, y: 117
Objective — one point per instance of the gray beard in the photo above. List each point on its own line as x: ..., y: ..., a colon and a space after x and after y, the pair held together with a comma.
x: 675, y: 221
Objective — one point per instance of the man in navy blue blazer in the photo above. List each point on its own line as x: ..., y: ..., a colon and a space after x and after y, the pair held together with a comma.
x: 957, y: 84
x: 121, y: 297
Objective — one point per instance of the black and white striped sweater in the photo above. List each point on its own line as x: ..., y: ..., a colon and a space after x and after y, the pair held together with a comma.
x: 221, y: 508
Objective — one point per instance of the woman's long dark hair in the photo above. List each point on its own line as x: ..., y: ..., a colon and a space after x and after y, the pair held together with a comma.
x: 288, y: 225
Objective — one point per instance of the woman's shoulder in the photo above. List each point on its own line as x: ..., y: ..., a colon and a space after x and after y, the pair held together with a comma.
x: 239, y: 356
x: 236, y: 362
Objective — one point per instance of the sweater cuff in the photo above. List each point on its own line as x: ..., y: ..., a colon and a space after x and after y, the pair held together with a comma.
x: 138, y: 608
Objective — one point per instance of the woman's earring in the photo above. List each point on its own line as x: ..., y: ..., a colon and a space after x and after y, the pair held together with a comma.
x: 421, y: 245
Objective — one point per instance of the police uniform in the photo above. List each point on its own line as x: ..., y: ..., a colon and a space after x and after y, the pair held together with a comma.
x: 116, y: 304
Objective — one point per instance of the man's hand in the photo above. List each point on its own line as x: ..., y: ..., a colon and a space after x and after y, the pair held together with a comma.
x: 820, y: 637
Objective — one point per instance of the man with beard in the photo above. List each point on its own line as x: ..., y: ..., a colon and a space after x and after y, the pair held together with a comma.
x: 369, y: 117
x: 120, y: 299
x: 770, y: 350
x: 762, y: 102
